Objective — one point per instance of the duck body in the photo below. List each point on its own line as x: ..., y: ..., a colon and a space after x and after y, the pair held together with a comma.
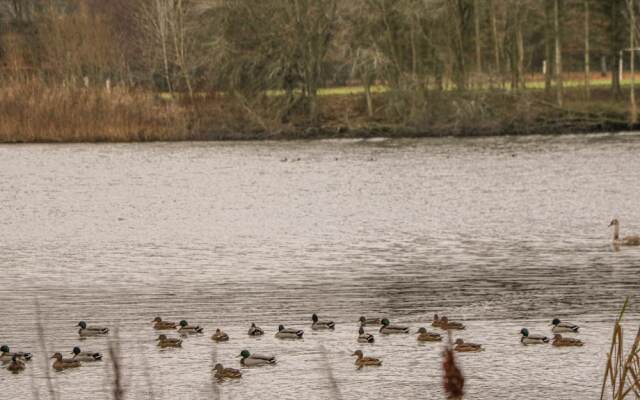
x: 364, y: 321
x: 445, y: 324
x: 464, y: 347
x: 220, y: 336
x: 85, y: 356
x: 88, y: 331
x: 631, y: 240
x: 226, y: 373
x: 161, y: 325
x: 289, y: 333
x: 425, y: 336
x: 528, y: 339
x: 317, y: 324
x: 186, y: 329
x: 364, y: 337
x: 7, y: 355
x: 363, y: 361
x: 563, y: 327
x: 16, y: 365
x: 255, y: 330
x: 255, y: 360
x: 64, y: 363
x: 164, y: 342
x: 388, y: 329
x: 559, y: 341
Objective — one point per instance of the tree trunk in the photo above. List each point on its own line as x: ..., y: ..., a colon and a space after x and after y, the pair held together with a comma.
x: 633, y: 118
x: 558, y: 58
x: 476, y: 13
x: 548, y: 47
x: 496, y: 44
x: 587, y: 66
x: 520, y: 52
x: 367, y: 95
x: 616, y: 43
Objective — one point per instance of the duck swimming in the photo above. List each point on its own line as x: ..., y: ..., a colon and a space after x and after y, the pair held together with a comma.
x: 220, y: 336
x: 321, y: 325
x: 465, y: 347
x: 6, y: 355
x: 424, y: 336
x: 369, y: 321
x: 559, y: 341
x: 255, y: 331
x: 164, y: 342
x: 85, y: 355
x: 289, y: 333
x: 186, y: 329
x: 86, y: 331
x: 389, y: 329
x: 445, y: 324
x: 255, y: 360
x: 563, y: 327
x: 159, y: 324
x: 632, y: 240
x: 222, y: 372
x: 532, y: 339
x: 64, y: 363
x: 364, y: 337
x: 363, y: 361
x: 16, y: 365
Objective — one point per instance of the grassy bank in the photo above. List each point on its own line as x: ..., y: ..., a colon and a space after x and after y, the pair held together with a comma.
x: 31, y: 111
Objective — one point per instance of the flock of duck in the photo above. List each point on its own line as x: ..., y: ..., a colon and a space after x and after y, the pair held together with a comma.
x: 17, y: 360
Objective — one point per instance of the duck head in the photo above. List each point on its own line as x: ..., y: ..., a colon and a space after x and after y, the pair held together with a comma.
x: 385, y: 322
x: 162, y: 337
x: 244, y: 354
x: 422, y: 330
x: 4, y: 348
x: 614, y: 222
x: 314, y: 318
x: 280, y: 328
x: 57, y: 356
x: 524, y: 332
x: 459, y: 341
x: 157, y: 319
x: 218, y: 367
x: 76, y: 350
x: 184, y: 323
x: 357, y: 353
x: 362, y: 320
x: 555, y: 322
x: 82, y: 324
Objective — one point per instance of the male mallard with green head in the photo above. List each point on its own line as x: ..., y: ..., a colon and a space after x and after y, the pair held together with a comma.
x: 186, y: 329
x: 226, y: 373
x: 164, y: 342
x: 6, y: 355
x: 321, y: 325
x: 532, y: 339
x: 159, y: 324
x: 364, y: 337
x: 255, y: 360
x: 289, y: 333
x: 425, y: 336
x: 85, y: 355
x: 563, y: 327
x: 363, y: 361
x: 560, y: 341
x: 220, y: 336
x: 388, y: 329
x: 64, y: 363
x: 465, y: 347
x: 86, y: 331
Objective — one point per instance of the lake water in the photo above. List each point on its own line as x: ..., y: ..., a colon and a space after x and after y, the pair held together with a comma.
x: 501, y: 233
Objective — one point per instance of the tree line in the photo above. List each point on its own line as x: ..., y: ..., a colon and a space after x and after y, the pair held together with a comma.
x: 249, y: 48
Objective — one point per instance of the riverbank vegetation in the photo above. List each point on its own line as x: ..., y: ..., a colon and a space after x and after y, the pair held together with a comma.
x: 137, y: 70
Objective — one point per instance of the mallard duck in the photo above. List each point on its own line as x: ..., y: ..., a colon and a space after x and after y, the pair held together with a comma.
x: 164, y: 341
x: 186, y: 329
x: 320, y: 325
x: 289, y: 333
x: 632, y: 240
x: 424, y: 336
x: 220, y: 336
x: 363, y: 361
x: 16, y: 365
x: 388, y: 329
x: 447, y: 325
x: 532, y: 339
x: 254, y: 360
x: 563, y: 327
x: 559, y: 341
x: 85, y: 355
x: 369, y: 321
x: 91, y: 330
x: 64, y: 363
x: 465, y: 347
x: 6, y: 355
x: 222, y: 372
x: 159, y: 324
x: 364, y: 337
x: 255, y: 331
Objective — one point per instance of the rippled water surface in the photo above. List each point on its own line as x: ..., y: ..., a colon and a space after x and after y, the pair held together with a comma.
x: 500, y: 233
